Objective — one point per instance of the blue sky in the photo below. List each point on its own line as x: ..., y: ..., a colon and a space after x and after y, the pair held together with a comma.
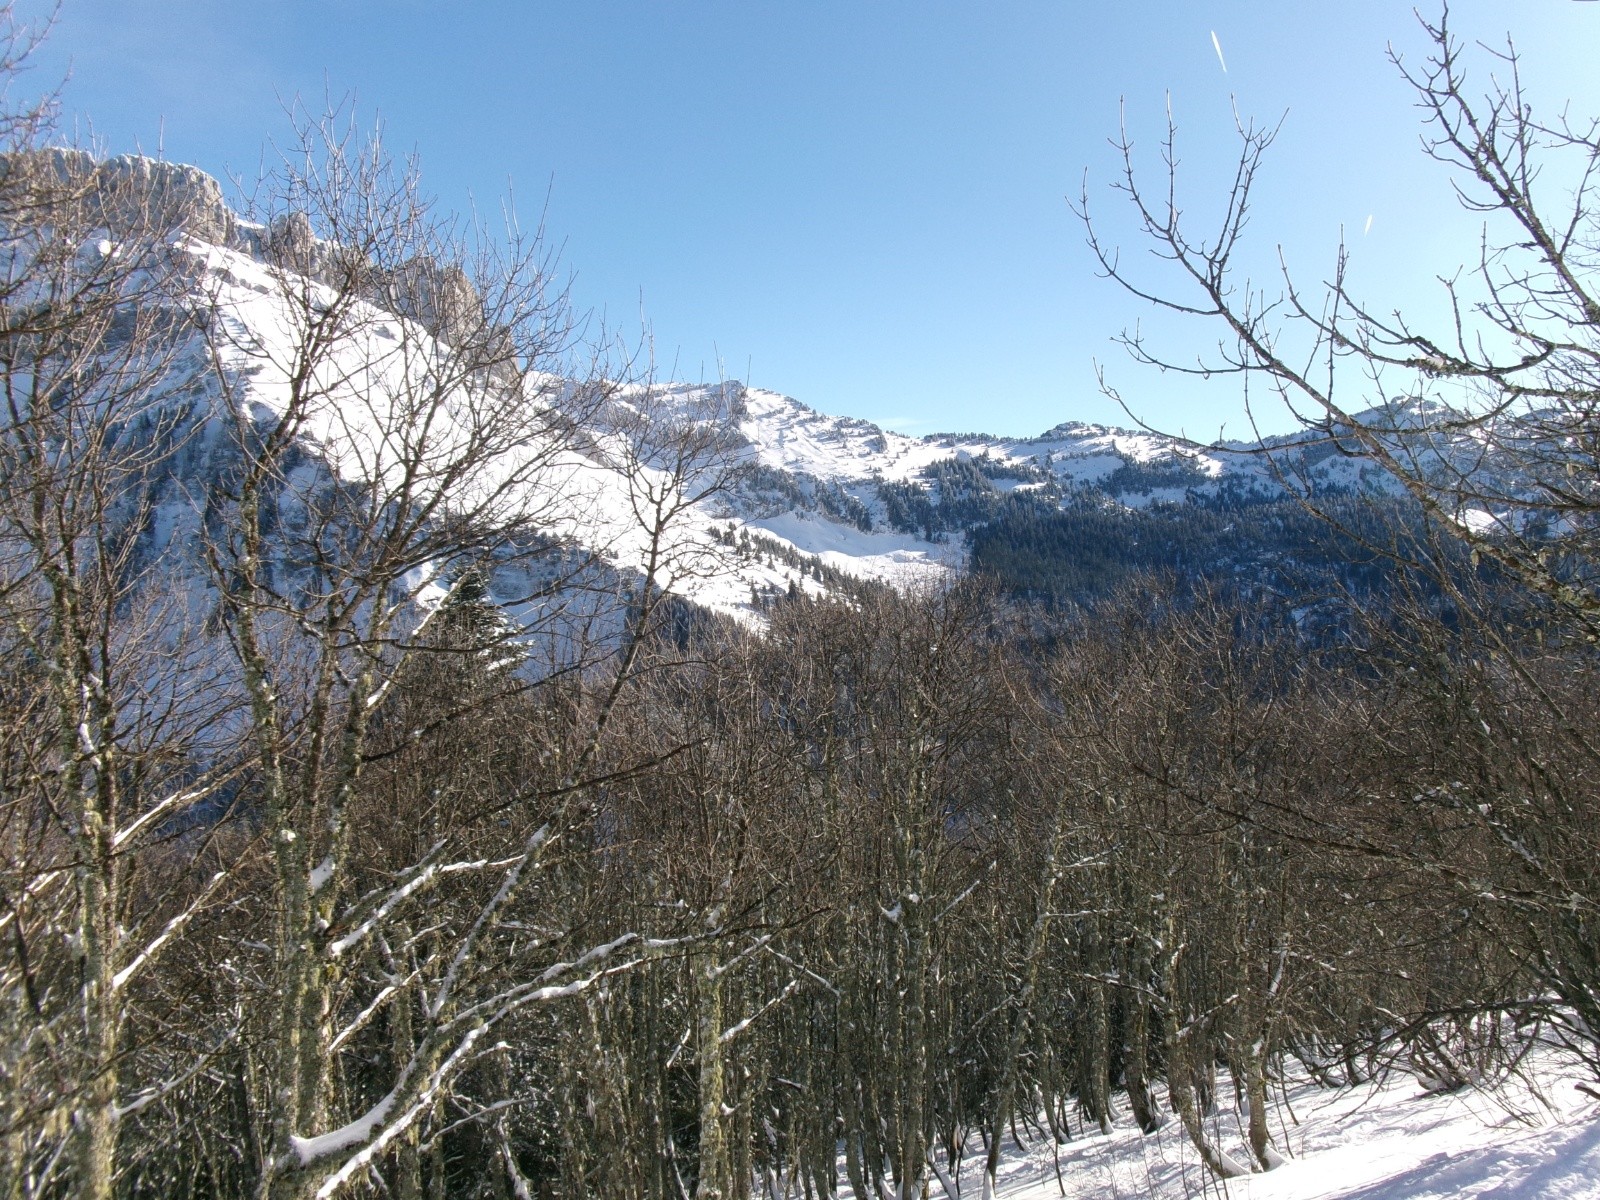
x: 861, y: 204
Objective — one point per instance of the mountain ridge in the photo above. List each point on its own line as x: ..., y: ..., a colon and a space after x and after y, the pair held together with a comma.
x: 810, y: 498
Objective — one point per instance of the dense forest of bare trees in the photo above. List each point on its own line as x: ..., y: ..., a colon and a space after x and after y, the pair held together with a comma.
x: 324, y: 878
x: 898, y: 878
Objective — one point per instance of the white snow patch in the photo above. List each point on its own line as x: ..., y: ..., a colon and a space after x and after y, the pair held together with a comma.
x: 1531, y: 1138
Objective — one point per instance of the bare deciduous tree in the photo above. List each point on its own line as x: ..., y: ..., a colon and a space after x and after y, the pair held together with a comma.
x: 1485, y: 417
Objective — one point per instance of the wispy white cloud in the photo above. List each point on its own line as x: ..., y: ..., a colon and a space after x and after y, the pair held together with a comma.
x: 1218, y: 46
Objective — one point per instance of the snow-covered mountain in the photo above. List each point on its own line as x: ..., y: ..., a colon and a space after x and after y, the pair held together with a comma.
x: 873, y: 503
x: 813, y: 502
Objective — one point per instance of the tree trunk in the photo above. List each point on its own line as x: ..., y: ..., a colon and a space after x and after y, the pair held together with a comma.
x: 1181, y: 1069
x: 1180, y: 1086
x: 713, y: 1084
x: 1140, y: 1099
x: 1005, y: 1097
x: 1253, y: 1067
x: 1094, y: 1077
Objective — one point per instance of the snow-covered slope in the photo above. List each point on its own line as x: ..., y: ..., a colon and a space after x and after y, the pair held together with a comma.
x: 1533, y: 1136
x: 817, y: 499
x: 805, y: 505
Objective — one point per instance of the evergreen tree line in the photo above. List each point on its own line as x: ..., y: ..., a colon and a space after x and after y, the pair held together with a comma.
x: 1088, y: 548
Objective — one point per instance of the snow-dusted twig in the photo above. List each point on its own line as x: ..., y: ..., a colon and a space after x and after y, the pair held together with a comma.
x: 168, y: 931
x: 736, y: 1029
x: 150, y: 1095
x: 158, y: 809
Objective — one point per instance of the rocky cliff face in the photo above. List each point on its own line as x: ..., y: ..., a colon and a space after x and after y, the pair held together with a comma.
x: 178, y: 196
x: 133, y: 192
x: 127, y: 191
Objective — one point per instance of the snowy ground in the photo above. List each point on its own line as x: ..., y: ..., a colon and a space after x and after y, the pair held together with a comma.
x: 1536, y: 1137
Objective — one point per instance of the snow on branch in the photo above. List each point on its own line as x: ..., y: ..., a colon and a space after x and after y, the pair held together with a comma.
x: 735, y: 1030
x: 169, y: 931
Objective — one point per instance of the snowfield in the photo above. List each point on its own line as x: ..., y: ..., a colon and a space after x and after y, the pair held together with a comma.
x: 1535, y: 1136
